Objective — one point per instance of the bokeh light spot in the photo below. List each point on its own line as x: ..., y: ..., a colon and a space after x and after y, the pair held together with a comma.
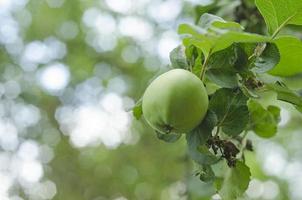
x: 54, y: 77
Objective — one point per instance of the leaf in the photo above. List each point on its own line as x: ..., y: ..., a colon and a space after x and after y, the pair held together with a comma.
x: 223, y: 78
x: 197, y: 139
x: 208, y: 157
x: 137, y: 110
x: 206, y: 20
x: 209, y: 21
x: 286, y: 94
x: 191, y: 52
x: 227, y: 25
x: 290, y: 49
x: 228, y: 38
x: 221, y: 68
x: 206, y: 174
x: 278, y: 13
x: 249, y: 48
x: 195, y: 31
x: 214, y: 34
x: 230, y: 107
x: 204, y: 129
x: 178, y: 58
x: 230, y: 126
x: 195, y: 36
x: 211, y: 43
x: 268, y: 59
x: 224, y: 65
x: 235, y: 182
x: 198, y: 64
x: 200, y: 155
x: 242, y: 59
x: 263, y: 122
x: 275, y: 111
x: 225, y: 58
x: 170, y: 137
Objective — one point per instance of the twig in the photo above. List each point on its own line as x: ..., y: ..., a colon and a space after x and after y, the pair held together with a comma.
x: 243, y: 144
x: 204, y: 66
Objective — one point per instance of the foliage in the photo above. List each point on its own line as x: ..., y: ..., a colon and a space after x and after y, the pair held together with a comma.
x: 221, y: 53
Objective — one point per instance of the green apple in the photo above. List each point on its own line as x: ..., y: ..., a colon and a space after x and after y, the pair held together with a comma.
x: 175, y: 101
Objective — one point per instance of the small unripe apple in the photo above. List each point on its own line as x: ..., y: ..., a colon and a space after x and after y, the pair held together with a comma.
x: 175, y: 101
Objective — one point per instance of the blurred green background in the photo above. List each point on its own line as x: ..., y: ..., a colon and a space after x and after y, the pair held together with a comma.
x: 69, y: 73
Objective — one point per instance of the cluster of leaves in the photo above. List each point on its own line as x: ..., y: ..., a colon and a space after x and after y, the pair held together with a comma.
x: 221, y: 53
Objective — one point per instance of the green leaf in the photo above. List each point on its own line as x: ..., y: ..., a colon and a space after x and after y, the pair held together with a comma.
x: 221, y: 68
x: 249, y: 48
x: 230, y: 37
x: 286, y: 94
x: 242, y: 58
x: 268, y: 59
x: 275, y: 111
x: 290, y: 49
x: 198, y: 64
x: 206, y: 173
x: 195, y: 31
x: 216, y: 41
x: 263, y: 122
x: 235, y: 182
x: 206, y: 20
x: 170, y: 137
x: 209, y: 21
x: 278, y: 13
x: 200, y: 154
x: 197, y: 139
x: 137, y: 110
x: 196, y: 36
x: 214, y: 34
x: 224, y: 65
x: 191, y: 52
x: 230, y: 126
x: 208, y: 157
x: 178, y: 58
x: 232, y: 112
x: 204, y: 130
x: 223, y: 77
x: 227, y: 25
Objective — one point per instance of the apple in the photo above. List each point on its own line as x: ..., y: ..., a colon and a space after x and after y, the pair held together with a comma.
x: 175, y: 101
